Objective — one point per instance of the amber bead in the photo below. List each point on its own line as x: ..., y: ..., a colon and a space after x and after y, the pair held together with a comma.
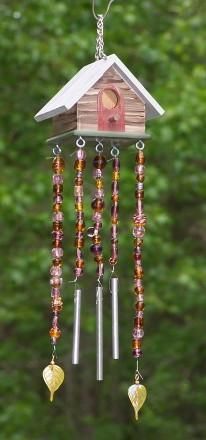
x: 58, y: 165
x: 80, y: 263
x: 99, y: 162
x: 138, y: 272
x: 79, y: 165
x: 136, y: 343
x: 79, y: 206
x: 96, y: 239
x: 55, y: 332
x: 98, y: 205
x: 99, y: 183
x: 114, y: 220
x: 80, y: 227
x: 139, y: 289
x: 115, y: 197
x: 56, y: 207
x: 79, y: 243
x: 57, y: 189
x: 115, y: 175
x: 141, y: 158
x: 138, y: 322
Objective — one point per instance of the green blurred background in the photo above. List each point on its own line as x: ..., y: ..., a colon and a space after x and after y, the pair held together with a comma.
x: 42, y: 45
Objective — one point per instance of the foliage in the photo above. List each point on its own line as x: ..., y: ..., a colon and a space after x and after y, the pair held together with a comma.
x: 43, y: 43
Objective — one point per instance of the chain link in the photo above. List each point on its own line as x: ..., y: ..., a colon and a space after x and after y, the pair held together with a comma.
x: 100, y: 39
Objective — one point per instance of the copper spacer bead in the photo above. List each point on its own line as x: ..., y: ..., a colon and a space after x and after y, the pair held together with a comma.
x: 139, y: 290
x: 115, y: 197
x: 57, y: 243
x: 79, y: 243
x: 80, y: 263
x: 57, y: 262
x: 138, y: 272
x: 79, y: 165
x: 98, y: 258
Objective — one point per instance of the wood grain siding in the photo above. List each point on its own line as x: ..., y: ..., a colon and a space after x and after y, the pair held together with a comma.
x: 65, y: 122
x: 134, y: 107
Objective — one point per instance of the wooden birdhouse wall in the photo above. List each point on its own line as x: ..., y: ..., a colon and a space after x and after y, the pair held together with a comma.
x: 85, y: 114
x: 134, y: 108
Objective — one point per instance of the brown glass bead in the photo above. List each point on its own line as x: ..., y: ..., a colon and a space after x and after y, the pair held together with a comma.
x: 139, y: 290
x: 56, y: 207
x: 139, y: 306
x: 80, y: 263
x: 98, y: 205
x: 55, y: 333
x: 141, y: 158
x: 138, y: 322
x: 98, y: 258
x: 57, y: 243
x: 80, y: 227
x: 79, y: 243
x: 57, y: 304
x: 96, y: 239
x: 138, y: 272
x: 140, y: 177
x: 138, y: 242
x: 114, y: 220
x: 78, y: 181
x: 57, y: 226
x: 99, y: 162
x: 57, y: 262
x: 115, y: 197
x: 139, y: 195
x: 57, y: 189
x: 58, y: 165
x: 136, y: 343
x: 79, y: 165
x: 99, y: 183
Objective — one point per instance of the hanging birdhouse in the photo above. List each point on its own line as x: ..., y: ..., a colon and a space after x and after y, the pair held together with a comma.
x: 103, y: 104
x: 104, y: 99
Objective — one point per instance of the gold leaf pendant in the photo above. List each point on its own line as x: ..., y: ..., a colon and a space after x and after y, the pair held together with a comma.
x: 53, y: 377
x: 137, y: 394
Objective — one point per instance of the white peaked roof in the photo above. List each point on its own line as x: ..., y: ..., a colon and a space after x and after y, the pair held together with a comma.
x: 71, y: 93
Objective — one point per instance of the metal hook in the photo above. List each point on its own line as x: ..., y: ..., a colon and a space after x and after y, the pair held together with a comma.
x: 80, y: 143
x: 96, y: 16
x: 99, y: 146
x: 140, y: 145
x: 114, y: 151
x: 56, y: 150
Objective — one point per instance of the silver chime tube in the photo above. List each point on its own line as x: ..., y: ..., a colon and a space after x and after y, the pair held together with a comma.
x: 99, y: 329
x: 76, y: 329
x: 115, y: 318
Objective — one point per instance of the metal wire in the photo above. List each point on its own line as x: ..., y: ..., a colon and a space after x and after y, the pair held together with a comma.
x: 96, y: 16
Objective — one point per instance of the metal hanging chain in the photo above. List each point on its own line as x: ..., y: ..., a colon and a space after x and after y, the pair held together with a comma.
x: 100, y: 31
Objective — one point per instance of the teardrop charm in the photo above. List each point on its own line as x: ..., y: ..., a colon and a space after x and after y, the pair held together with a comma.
x: 137, y: 394
x: 53, y: 376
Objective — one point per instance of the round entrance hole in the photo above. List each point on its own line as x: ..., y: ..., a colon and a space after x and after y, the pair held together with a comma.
x: 109, y: 99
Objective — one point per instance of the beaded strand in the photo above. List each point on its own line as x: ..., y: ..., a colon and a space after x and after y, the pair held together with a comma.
x: 139, y: 220
x: 115, y: 211
x: 97, y: 204
x: 79, y: 166
x: 57, y: 251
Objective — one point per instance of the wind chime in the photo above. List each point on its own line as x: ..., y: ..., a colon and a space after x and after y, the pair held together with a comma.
x: 103, y: 105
